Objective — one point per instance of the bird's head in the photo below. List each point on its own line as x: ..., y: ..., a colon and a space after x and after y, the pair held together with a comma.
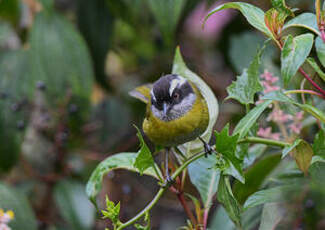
x: 172, y: 96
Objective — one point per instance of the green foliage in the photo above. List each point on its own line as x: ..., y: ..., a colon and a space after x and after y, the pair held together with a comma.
x: 315, y: 66
x: 228, y: 200
x: 271, y: 216
x: 304, y: 20
x: 294, y: 53
x: 320, y: 49
x: 112, y: 211
x: 11, y: 199
x: 144, y: 158
x: 248, y: 84
x: 319, y: 144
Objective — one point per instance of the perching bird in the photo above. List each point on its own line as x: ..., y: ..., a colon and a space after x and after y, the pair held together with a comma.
x: 176, y: 111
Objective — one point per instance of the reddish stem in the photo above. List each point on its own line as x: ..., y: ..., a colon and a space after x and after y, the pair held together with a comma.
x: 311, y: 81
x: 181, y: 198
x: 205, y: 218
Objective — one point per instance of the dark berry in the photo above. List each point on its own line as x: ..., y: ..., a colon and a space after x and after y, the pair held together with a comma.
x: 20, y: 125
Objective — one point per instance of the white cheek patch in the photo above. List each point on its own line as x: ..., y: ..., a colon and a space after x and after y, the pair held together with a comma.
x: 179, y: 81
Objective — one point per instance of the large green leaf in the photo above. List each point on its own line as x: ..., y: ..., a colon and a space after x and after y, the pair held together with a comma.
x: 117, y: 161
x: 179, y: 67
x: 221, y: 220
x: 96, y: 24
x: 11, y: 199
x: 270, y: 195
x: 320, y: 49
x: 293, y: 55
x: 313, y: 63
x: 167, y: 14
x: 228, y: 200
x: 246, y: 123
x: 74, y: 205
x: 253, y: 14
x: 205, y: 178
x: 60, y: 57
x: 305, y: 20
x: 255, y: 176
x: 248, y: 84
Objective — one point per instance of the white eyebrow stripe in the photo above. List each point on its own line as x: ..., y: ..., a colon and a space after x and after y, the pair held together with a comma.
x: 173, y: 85
x: 182, y: 80
x: 153, y: 95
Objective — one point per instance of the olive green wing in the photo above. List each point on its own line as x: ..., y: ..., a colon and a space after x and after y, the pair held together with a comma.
x: 142, y: 93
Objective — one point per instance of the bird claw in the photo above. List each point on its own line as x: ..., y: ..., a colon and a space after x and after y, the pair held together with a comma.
x: 207, y: 148
x: 167, y: 183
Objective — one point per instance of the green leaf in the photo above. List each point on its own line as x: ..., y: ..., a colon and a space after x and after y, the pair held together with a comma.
x: 319, y: 143
x: 10, y: 10
x: 60, y: 58
x: 318, y: 114
x: 246, y: 123
x: 270, y: 195
x: 290, y: 148
x: 303, y: 154
x: 320, y: 49
x: 293, y: 55
x: 255, y: 176
x: 205, y: 178
x: 305, y: 20
x: 74, y: 205
x: 167, y: 14
x: 253, y: 14
x: 96, y: 24
x: 144, y: 158
x: 271, y: 216
x: 117, y: 161
x: 314, y: 65
x: 112, y: 211
x: 12, y: 199
x: 221, y: 220
x: 228, y: 200
x: 280, y: 5
x: 248, y: 84
x: 179, y: 67
x: 253, y: 153
x: 226, y: 145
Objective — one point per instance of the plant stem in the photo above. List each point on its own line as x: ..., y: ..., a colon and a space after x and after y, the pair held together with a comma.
x: 181, y: 198
x: 304, y: 91
x: 311, y: 81
x: 264, y: 141
x: 161, y: 191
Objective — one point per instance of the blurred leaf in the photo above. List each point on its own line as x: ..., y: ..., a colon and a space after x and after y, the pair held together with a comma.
x: 254, y: 177
x: 11, y: 199
x: 221, y: 220
x: 246, y: 123
x: 305, y: 20
x: 312, y: 63
x: 8, y: 37
x: 73, y: 204
x: 270, y: 195
x: 248, y: 84
x: 205, y: 178
x: 10, y: 10
x: 60, y: 58
x: 253, y: 14
x: 317, y: 175
x: 228, y: 200
x: 167, y: 14
x: 117, y: 161
x: 253, y: 153
x: 303, y: 154
x: 179, y: 67
x: 96, y: 23
x: 320, y: 49
x: 271, y: 216
x: 319, y: 143
x: 317, y: 113
x: 144, y: 158
x: 294, y: 53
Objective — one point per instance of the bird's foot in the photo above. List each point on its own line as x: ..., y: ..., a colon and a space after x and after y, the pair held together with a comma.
x: 167, y: 182
x: 207, y: 148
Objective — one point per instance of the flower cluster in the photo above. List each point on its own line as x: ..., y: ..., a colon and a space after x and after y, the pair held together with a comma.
x: 5, y: 218
x: 277, y: 115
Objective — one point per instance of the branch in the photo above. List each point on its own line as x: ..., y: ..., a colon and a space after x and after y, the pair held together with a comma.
x: 264, y: 141
x: 311, y: 81
x: 161, y: 191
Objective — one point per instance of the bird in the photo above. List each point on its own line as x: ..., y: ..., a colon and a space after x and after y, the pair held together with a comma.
x: 176, y: 112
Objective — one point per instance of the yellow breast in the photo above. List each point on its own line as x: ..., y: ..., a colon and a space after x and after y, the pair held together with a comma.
x: 178, y: 131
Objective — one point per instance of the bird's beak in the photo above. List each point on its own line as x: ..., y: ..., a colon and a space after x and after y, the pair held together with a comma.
x: 165, y: 108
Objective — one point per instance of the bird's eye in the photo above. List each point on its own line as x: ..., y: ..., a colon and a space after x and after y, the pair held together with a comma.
x: 176, y: 96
